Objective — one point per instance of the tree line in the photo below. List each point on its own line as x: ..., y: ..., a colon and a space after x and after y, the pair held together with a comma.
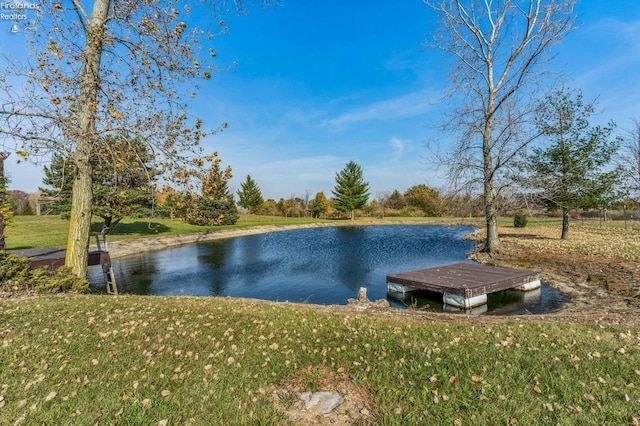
x: 109, y: 84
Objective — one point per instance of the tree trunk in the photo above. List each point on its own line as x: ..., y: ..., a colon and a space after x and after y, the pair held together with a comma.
x: 3, y: 186
x: 565, y: 223
x: 80, y: 221
x: 492, y: 241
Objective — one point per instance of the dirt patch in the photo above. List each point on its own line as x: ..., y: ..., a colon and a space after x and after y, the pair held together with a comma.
x: 599, y: 288
x: 356, y: 408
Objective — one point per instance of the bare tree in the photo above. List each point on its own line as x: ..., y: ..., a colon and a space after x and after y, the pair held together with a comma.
x: 104, y: 68
x: 629, y: 158
x: 498, y: 48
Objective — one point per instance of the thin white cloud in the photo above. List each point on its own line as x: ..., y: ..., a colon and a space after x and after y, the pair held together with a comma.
x: 622, y: 53
x: 406, y: 106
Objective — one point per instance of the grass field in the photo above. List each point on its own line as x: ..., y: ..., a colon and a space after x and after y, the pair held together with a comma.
x: 166, y: 360
x: 204, y: 361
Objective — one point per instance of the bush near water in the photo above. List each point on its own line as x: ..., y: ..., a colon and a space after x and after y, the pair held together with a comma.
x: 16, y: 277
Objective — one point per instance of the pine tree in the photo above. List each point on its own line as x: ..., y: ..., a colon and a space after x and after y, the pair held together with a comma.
x: 319, y: 205
x: 58, y: 181
x: 395, y: 201
x: 250, y: 196
x: 216, y: 205
x: 424, y: 198
x: 121, y: 182
x: 351, y: 191
x: 572, y: 170
x: 6, y: 207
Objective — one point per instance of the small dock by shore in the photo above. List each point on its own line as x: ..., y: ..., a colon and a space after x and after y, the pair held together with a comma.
x: 53, y: 258
x: 463, y: 285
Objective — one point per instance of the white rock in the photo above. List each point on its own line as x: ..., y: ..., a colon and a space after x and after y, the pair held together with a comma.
x: 321, y: 402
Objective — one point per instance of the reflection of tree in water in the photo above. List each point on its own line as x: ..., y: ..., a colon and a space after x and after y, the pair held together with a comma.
x: 351, y: 256
x: 218, y: 285
x: 136, y: 275
x: 213, y: 256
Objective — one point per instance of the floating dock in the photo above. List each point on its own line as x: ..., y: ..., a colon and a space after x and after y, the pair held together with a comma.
x: 463, y: 285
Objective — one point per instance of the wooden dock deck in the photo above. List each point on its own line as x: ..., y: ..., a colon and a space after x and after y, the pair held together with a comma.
x: 53, y: 258
x: 464, y: 285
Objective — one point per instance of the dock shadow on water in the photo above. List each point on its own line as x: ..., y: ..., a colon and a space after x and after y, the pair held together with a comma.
x: 323, y: 266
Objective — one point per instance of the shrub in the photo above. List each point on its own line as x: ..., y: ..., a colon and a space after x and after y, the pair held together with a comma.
x: 17, y: 277
x: 520, y: 219
x: 61, y: 280
x: 14, y: 273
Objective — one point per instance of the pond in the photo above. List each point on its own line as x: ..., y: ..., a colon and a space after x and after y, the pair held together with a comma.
x: 318, y: 265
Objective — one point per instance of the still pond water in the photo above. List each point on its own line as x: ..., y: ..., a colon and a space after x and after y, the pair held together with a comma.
x: 317, y: 265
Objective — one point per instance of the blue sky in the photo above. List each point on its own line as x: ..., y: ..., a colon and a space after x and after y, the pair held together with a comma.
x: 318, y: 84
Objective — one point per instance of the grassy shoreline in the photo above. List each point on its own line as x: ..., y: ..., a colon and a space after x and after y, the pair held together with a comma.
x: 90, y: 359
x: 170, y: 360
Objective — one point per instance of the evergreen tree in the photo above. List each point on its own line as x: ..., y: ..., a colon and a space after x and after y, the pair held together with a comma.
x: 424, y: 198
x: 395, y: 201
x: 571, y: 171
x: 6, y: 207
x: 26, y: 210
x: 250, y: 196
x: 351, y: 191
x: 216, y: 205
x: 319, y: 205
x: 122, y: 177
x: 58, y: 181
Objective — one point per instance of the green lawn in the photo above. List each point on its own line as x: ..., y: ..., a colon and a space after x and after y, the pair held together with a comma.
x: 182, y: 360
x: 204, y: 361
x: 51, y: 231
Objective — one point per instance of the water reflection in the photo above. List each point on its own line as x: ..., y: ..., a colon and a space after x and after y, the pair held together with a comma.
x: 321, y: 265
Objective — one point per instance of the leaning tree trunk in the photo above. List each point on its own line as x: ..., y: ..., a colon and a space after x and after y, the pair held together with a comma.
x: 80, y: 221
